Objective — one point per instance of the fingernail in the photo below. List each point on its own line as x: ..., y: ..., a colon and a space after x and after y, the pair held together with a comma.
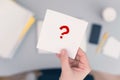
x: 79, y: 48
x: 63, y: 51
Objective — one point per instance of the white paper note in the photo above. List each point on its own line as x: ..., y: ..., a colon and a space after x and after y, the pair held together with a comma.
x: 50, y: 36
x: 83, y: 44
x: 112, y: 48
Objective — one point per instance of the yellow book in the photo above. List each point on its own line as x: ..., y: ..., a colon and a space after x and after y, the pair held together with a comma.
x: 15, y: 21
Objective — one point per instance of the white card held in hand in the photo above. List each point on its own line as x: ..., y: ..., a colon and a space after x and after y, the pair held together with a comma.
x: 61, y: 31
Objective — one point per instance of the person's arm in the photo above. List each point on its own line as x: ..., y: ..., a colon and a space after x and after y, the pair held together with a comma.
x: 76, y: 69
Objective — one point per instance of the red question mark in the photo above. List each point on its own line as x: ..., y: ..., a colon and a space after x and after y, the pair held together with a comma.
x: 66, y: 32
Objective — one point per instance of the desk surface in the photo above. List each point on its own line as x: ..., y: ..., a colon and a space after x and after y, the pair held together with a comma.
x: 89, y: 10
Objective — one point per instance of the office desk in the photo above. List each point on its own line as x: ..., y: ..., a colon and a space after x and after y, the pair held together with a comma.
x: 90, y: 10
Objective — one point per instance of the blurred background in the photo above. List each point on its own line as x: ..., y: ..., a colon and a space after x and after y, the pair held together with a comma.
x: 20, y: 24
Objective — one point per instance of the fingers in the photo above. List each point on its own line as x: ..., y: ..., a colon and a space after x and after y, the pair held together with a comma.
x: 64, y: 59
x: 74, y: 63
x: 81, y: 56
x: 83, y: 62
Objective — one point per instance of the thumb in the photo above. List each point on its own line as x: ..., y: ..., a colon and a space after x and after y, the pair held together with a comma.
x: 64, y: 59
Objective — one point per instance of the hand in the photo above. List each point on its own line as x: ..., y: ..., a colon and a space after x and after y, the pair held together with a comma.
x: 73, y: 69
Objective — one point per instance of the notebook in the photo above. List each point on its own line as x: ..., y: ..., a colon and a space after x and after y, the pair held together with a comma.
x: 15, y: 21
x: 112, y: 48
